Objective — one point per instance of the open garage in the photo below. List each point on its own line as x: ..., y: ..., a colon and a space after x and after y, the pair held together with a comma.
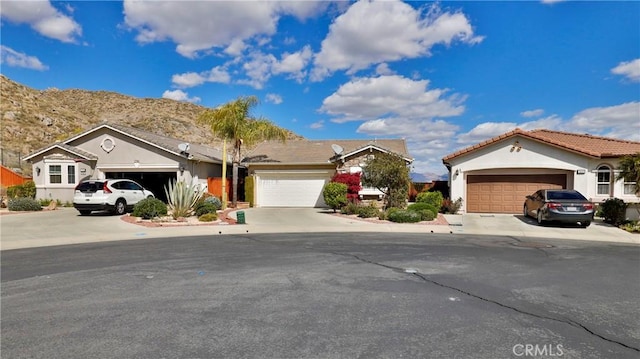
x: 153, y: 181
x: 506, y: 193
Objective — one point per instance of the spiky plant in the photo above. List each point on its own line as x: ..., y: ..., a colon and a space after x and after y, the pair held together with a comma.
x: 182, y: 197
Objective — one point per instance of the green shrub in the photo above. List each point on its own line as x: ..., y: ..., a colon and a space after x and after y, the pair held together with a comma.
x: 214, y: 201
x: 350, y: 208
x: 26, y: 190
x: 404, y: 216
x: 208, y: 217
x: 182, y: 197
x: 613, y: 211
x: 422, y: 206
x: 24, y: 204
x: 206, y: 207
x: 427, y: 215
x: 248, y: 189
x: 149, y: 208
x: 632, y: 226
x: 369, y: 211
x: 335, y: 195
x: 451, y: 207
x: 433, y: 198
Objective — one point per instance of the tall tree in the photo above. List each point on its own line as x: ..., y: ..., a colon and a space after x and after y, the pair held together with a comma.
x: 388, y: 173
x: 630, y: 170
x: 233, y: 121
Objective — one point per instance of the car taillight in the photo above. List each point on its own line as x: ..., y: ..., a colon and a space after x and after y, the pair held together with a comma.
x: 554, y: 205
x: 105, y: 189
x: 587, y: 206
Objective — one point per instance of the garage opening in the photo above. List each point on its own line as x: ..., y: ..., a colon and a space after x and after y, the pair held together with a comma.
x: 153, y: 181
x: 506, y: 193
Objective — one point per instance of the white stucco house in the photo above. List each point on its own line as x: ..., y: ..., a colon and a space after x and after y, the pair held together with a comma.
x: 494, y: 176
x: 116, y: 151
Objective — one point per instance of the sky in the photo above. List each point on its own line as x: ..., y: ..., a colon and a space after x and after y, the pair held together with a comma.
x: 442, y: 75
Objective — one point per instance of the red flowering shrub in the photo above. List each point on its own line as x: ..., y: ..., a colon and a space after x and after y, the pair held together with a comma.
x: 352, y: 180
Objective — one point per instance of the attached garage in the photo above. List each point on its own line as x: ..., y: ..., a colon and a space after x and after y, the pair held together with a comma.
x: 291, y: 188
x: 506, y: 193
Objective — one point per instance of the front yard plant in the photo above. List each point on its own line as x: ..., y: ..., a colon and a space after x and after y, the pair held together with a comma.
x: 404, y: 216
x: 433, y: 198
x: 208, y: 217
x: 24, y: 204
x: 149, y: 208
x: 613, y: 211
x: 335, y: 195
x: 182, y: 197
x: 388, y: 173
x: 27, y: 190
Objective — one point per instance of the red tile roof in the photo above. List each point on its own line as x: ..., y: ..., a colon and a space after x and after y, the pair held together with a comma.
x: 588, y: 145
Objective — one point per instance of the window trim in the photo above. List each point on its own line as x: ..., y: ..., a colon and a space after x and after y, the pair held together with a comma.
x: 605, y: 169
x: 64, y: 174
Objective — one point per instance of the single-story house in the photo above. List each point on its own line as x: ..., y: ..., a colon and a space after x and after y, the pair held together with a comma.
x: 293, y: 173
x: 494, y: 176
x: 116, y: 151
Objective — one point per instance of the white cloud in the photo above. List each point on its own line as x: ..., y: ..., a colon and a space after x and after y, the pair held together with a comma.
x: 274, y: 98
x: 411, y: 129
x: 372, y: 32
x: 191, y: 79
x: 207, y: 25
x: 294, y: 64
x: 258, y: 69
x: 383, y: 69
x: 317, y: 125
x: 390, y: 96
x: 43, y: 18
x: 13, y: 58
x: 622, y: 121
x: 179, y: 95
x: 485, y: 131
x: 532, y: 113
x: 629, y: 69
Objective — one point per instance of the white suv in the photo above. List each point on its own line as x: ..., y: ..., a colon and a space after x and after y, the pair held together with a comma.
x: 114, y: 195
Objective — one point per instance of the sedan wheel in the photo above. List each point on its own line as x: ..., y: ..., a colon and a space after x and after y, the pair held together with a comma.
x: 525, y: 211
x: 585, y: 224
x: 539, y: 218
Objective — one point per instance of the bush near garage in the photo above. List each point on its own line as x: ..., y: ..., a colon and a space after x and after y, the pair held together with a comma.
x: 419, y: 206
x: 24, y: 204
x: 206, y: 207
x: 335, y: 195
x: 149, y: 208
x: 208, y: 217
x: 404, y: 216
x: 26, y: 190
x: 613, y: 210
x: 352, y: 180
x: 451, y: 207
x: 368, y: 211
x: 433, y: 198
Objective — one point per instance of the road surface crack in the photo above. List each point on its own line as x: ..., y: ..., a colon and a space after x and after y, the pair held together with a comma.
x: 479, y: 297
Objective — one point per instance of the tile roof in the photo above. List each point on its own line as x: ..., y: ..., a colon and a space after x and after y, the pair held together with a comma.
x: 593, y: 146
x: 317, y: 151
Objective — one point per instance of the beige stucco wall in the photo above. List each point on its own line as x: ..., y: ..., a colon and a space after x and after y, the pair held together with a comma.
x: 532, y: 157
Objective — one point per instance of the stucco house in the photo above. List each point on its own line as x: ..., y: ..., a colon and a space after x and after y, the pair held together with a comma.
x: 494, y: 176
x: 116, y: 151
x: 293, y: 174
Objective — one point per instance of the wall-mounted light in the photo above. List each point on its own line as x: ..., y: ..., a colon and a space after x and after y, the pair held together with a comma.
x: 581, y: 171
x: 457, y: 172
x: 182, y: 169
x: 136, y: 163
x: 38, y: 171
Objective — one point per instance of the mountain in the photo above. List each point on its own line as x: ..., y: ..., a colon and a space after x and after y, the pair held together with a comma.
x: 428, y: 177
x: 32, y: 119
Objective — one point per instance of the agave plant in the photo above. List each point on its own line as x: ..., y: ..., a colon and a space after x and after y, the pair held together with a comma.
x: 182, y: 197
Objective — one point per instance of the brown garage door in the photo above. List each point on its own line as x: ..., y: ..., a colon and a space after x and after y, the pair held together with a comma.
x: 506, y: 193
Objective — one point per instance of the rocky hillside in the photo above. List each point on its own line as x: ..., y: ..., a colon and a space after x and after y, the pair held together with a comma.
x: 32, y: 119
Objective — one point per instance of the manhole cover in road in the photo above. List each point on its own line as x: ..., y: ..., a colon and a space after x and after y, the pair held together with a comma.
x: 532, y: 245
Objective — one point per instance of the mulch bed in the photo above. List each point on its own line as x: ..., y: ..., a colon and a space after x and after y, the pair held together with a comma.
x: 439, y: 221
x: 223, y: 219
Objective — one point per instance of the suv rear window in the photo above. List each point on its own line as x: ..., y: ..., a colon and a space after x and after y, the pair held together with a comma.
x: 90, y: 186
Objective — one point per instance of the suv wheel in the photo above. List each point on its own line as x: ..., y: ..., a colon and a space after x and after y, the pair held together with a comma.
x: 85, y: 212
x: 121, y: 207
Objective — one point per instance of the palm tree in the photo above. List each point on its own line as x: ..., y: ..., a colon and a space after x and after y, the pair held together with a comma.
x: 233, y: 121
x: 630, y: 170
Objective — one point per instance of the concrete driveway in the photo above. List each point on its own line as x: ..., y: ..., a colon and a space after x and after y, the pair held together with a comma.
x: 65, y: 226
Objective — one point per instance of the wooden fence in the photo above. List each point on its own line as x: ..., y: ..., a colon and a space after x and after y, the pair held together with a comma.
x: 10, y: 178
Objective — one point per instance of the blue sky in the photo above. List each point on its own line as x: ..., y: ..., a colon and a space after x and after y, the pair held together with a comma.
x: 442, y: 75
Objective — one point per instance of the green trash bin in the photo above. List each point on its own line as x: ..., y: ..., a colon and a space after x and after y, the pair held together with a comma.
x: 240, y: 217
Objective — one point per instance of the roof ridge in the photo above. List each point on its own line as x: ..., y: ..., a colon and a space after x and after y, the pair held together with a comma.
x: 586, y: 135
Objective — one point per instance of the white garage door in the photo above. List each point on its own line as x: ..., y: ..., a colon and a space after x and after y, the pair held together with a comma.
x: 291, y: 189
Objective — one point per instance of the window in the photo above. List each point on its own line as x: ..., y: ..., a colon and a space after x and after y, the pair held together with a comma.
x: 604, y: 180
x: 629, y: 187
x: 55, y: 174
x: 71, y: 174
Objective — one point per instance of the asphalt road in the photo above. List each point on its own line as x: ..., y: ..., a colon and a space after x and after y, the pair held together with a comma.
x: 351, y: 295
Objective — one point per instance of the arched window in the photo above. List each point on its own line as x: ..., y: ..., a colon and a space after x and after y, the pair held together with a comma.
x: 604, y: 180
